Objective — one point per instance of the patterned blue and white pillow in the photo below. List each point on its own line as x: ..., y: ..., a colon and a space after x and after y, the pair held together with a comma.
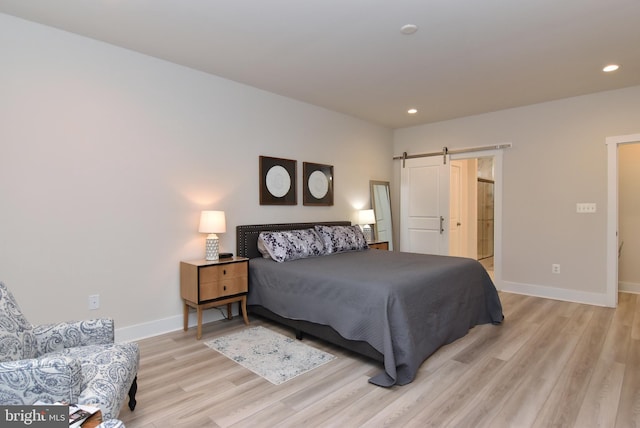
x: 290, y: 245
x: 338, y: 239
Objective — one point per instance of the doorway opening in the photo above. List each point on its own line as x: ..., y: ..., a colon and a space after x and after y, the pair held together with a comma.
x: 613, y: 238
x: 486, y: 216
x: 628, y: 218
x: 472, y: 210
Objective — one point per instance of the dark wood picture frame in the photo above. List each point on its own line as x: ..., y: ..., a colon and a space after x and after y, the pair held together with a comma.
x: 273, y: 181
x: 317, y: 181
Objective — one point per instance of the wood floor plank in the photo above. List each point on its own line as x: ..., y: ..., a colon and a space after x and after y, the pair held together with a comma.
x: 416, y: 396
x: 272, y: 416
x: 629, y: 407
x: 363, y: 409
x: 487, y: 405
x: 563, y: 404
x: 600, y: 405
x: 445, y: 406
x: 252, y: 414
x: 447, y: 352
x: 525, y: 401
x: 347, y: 370
x: 340, y: 400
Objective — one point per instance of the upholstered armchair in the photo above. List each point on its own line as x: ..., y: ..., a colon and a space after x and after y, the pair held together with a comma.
x: 76, y: 362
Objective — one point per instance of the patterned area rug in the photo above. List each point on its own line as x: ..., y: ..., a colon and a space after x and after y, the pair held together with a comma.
x: 275, y: 357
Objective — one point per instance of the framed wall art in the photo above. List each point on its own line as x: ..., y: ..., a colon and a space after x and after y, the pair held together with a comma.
x: 277, y: 181
x: 317, y: 184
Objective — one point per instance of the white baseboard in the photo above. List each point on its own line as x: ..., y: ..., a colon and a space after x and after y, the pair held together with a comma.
x: 167, y: 325
x: 597, y: 299
x: 629, y: 287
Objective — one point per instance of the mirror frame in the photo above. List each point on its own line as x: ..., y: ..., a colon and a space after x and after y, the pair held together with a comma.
x: 376, y: 207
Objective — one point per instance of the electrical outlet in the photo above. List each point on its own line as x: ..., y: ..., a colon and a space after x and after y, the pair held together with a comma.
x: 94, y: 301
x: 555, y: 268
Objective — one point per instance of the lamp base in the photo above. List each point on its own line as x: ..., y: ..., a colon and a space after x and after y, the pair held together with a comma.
x: 368, y: 233
x: 211, y: 252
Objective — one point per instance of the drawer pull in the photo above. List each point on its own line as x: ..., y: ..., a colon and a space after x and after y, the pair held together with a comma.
x: 224, y: 271
x: 224, y: 288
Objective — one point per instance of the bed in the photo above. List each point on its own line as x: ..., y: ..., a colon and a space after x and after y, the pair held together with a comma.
x: 397, y: 308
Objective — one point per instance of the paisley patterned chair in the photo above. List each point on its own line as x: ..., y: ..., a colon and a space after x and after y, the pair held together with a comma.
x: 75, y: 361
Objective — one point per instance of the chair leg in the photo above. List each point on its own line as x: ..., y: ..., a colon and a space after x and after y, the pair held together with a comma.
x: 132, y: 393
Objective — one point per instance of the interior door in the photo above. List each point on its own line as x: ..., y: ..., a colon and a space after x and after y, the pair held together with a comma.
x: 424, y: 205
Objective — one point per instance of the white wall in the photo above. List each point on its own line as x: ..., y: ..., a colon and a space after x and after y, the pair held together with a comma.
x: 107, y: 158
x: 558, y: 159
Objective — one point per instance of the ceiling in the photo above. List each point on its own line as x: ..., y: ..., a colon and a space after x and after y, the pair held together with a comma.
x: 467, y: 57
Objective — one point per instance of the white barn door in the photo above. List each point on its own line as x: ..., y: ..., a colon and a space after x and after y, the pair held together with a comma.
x: 424, y: 206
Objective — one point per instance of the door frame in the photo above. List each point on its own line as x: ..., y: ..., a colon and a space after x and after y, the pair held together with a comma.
x: 497, y: 215
x: 611, y: 294
x: 459, y: 166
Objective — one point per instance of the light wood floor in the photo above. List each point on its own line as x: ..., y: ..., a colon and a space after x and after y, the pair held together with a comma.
x: 551, y: 364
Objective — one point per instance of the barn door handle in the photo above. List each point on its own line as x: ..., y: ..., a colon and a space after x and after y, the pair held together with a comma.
x: 441, y: 225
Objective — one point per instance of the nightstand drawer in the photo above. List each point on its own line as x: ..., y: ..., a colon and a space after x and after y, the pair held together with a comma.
x: 381, y: 245
x: 227, y: 287
x: 222, y: 272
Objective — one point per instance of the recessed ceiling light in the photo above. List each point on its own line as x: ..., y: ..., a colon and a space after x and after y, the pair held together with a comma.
x: 611, y: 67
x: 409, y: 29
x: 412, y: 111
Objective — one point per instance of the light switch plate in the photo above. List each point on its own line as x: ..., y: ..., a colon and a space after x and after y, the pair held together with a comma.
x: 585, y: 207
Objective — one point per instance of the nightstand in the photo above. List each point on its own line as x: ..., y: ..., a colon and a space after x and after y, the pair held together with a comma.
x: 379, y: 245
x: 206, y: 284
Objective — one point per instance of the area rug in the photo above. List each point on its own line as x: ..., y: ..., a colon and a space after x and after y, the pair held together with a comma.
x: 275, y: 357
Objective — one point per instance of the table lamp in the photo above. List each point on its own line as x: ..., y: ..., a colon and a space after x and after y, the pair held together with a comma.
x: 366, y: 218
x: 212, y: 222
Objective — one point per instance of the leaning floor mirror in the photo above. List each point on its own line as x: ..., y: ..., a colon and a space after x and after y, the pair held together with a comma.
x: 381, y: 204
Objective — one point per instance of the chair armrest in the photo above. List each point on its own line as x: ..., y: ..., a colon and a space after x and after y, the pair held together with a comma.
x: 49, y: 379
x: 55, y: 337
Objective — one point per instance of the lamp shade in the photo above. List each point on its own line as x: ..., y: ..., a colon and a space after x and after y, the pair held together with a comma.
x: 366, y: 217
x: 212, y: 222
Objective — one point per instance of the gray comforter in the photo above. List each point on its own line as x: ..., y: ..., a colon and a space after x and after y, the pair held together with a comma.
x: 404, y: 305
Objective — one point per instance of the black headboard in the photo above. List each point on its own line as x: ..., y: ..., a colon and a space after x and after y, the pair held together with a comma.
x: 247, y: 235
